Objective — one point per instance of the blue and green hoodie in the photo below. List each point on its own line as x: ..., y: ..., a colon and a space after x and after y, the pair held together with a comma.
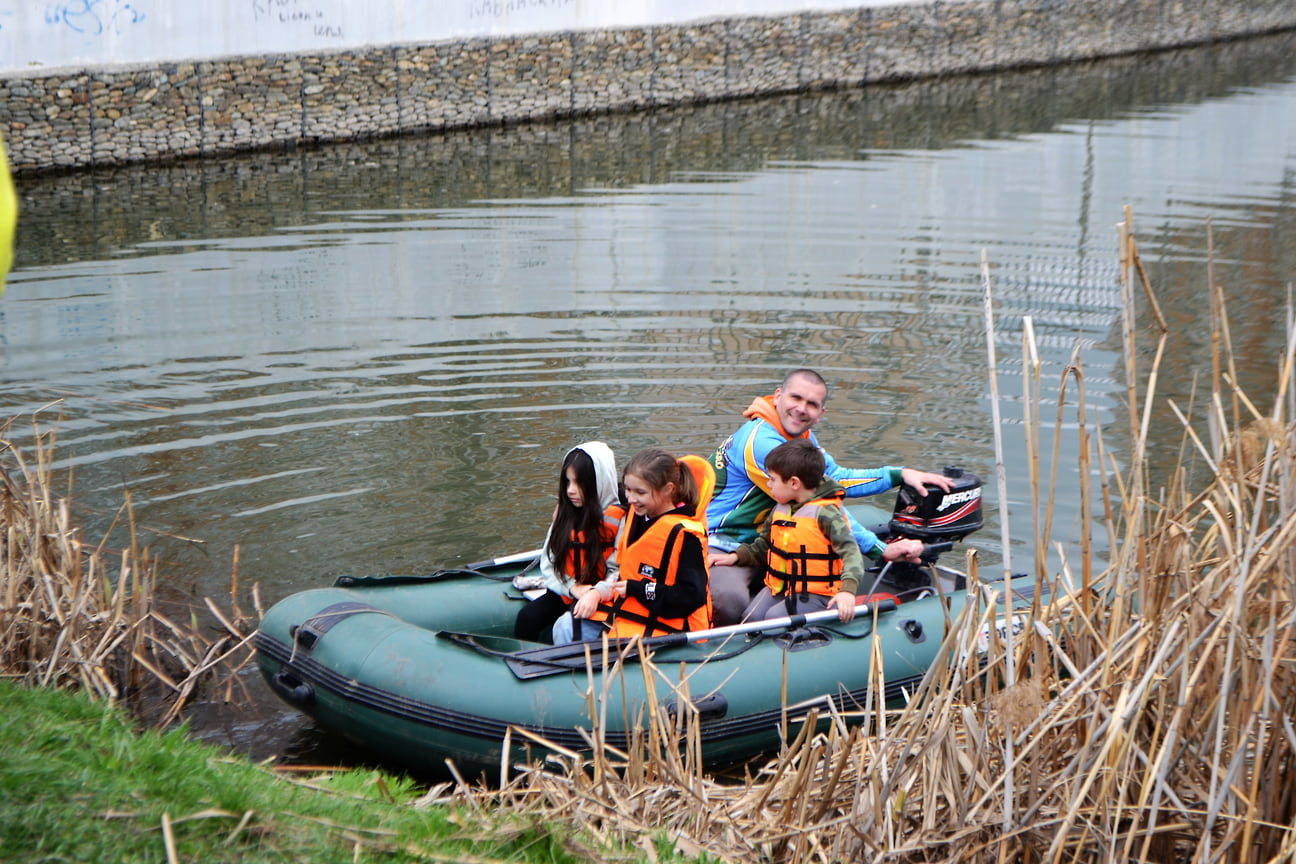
x: 742, y: 500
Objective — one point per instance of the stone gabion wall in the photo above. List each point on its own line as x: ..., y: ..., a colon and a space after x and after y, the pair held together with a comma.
x: 75, y: 215
x: 89, y: 117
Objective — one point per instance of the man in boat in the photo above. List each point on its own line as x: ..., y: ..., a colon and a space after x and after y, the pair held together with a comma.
x: 742, y: 500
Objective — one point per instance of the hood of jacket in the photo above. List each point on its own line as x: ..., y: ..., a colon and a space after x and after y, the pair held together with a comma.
x: 605, y: 472
x: 830, y: 488
x: 762, y: 407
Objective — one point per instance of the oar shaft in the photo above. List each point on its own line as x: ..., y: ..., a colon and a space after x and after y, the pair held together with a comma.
x: 783, y: 623
x: 557, y: 653
x: 515, y: 558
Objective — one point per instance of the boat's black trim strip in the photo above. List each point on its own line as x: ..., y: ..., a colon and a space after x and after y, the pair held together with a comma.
x: 491, y: 729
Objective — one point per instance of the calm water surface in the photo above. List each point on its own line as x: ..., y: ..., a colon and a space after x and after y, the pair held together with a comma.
x: 371, y: 358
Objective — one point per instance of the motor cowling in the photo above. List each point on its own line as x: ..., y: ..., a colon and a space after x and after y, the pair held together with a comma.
x: 939, y: 515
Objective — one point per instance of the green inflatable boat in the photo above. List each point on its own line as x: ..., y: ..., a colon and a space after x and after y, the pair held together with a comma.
x: 419, y: 670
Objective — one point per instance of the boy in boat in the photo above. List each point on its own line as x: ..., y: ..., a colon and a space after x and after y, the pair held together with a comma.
x: 809, y: 554
x: 742, y: 500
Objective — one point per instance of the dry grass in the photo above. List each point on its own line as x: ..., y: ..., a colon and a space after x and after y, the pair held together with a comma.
x: 75, y: 616
x: 1143, y: 714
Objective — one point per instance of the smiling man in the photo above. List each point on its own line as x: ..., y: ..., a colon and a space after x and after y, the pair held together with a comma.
x: 742, y: 493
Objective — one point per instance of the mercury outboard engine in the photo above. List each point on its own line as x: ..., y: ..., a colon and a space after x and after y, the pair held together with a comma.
x: 940, y: 515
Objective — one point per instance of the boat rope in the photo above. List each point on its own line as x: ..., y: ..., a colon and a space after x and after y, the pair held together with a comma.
x: 843, y: 634
x: 436, y: 576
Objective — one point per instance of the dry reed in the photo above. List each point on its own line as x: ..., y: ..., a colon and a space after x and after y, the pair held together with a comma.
x: 75, y: 616
x: 1145, y: 713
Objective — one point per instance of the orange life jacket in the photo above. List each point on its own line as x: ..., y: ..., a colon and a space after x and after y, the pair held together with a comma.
x: 612, y: 517
x: 654, y: 555
x: 801, y: 558
x: 657, y: 552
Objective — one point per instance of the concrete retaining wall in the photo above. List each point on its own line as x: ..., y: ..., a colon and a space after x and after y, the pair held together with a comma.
x: 91, y: 117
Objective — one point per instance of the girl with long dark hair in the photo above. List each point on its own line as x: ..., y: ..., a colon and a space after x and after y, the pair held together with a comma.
x: 577, y: 559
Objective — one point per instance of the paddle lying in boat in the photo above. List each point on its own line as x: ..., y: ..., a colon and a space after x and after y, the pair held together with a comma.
x: 766, y: 626
x: 554, y: 660
x: 420, y: 670
x: 515, y: 558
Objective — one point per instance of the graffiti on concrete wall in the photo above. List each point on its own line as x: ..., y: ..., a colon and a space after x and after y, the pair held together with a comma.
x: 503, y: 9
x: 65, y: 33
x: 94, y: 17
x: 312, y: 16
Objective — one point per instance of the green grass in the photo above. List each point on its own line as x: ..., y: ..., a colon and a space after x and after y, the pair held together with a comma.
x: 79, y: 783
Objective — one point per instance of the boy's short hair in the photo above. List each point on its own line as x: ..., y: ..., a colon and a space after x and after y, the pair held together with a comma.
x: 798, y: 458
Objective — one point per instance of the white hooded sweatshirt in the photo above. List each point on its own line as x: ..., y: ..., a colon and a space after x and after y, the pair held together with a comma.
x: 606, y: 479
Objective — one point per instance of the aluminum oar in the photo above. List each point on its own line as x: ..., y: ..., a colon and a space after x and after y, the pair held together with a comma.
x: 515, y: 558
x: 787, y: 622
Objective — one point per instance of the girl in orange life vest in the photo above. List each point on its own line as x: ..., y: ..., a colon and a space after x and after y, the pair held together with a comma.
x: 662, y: 550
x: 577, y: 560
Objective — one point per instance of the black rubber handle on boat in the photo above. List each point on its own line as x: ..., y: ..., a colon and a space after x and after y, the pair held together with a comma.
x: 291, y: 689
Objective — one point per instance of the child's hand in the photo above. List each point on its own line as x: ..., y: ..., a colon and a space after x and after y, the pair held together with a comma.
x: 722, y: 559
x: 586, y: 604
x: 845, y: 603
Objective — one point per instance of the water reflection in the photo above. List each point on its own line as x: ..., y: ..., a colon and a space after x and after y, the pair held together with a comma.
x: 121, y: 211
x: 370, y: 358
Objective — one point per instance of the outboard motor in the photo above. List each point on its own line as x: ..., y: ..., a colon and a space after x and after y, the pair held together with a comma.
x: 940, y: 515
